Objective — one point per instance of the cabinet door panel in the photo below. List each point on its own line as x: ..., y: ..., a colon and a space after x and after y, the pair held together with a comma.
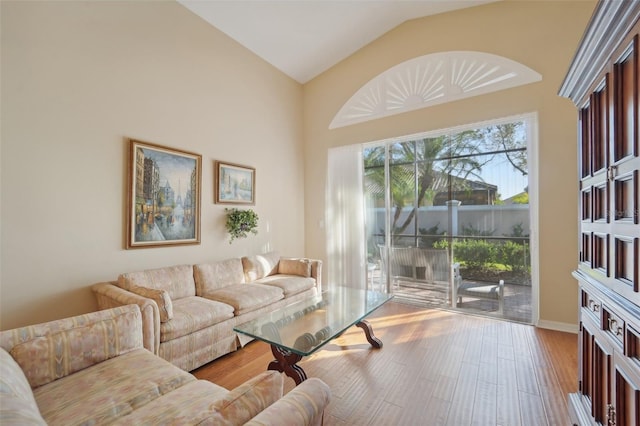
x: 586, y: 363
x: 600, y: 126
x: 625, y: 197
x: 626, y: 258
x: 601, y: 379
x: 585, y: 142
x: 595, y: 370
x: 626, y: 102
x: 627, y: 398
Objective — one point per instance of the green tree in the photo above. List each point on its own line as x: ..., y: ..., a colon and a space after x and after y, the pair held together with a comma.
x: 509, y: 138
x: 521, y: 198
x: 417, y: 164
x: 418, y: 167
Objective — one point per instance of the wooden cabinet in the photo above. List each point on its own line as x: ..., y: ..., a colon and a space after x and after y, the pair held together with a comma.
x: 603, y: 82
x: 609, y: 359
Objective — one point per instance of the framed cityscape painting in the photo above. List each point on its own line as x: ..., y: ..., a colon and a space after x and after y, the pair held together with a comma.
x: 163, y: 196
x: 235, y: 184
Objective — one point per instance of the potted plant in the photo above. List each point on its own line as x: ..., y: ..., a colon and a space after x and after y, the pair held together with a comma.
x: 240, y: 223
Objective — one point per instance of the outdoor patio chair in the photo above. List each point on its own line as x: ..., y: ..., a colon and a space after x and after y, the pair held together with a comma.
x: 477, y: 290
x: 416, y: 264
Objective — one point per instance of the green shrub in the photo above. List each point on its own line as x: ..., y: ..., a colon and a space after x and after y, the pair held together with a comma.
x: 486, y: 255
x: 475, y: 254
x: 515, y: 256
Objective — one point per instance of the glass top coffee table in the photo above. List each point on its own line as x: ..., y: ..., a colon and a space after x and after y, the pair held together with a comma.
x: 300, y: 329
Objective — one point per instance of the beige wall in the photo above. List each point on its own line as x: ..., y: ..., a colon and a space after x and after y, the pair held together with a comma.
x: 541, y: 35
x: 80, y: 77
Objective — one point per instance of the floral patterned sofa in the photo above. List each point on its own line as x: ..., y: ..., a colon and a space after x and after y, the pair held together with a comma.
x: 189, y: 311
x: 93, y: 369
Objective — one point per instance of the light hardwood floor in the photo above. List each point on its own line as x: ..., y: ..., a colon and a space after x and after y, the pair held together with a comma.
x: 436, y: 368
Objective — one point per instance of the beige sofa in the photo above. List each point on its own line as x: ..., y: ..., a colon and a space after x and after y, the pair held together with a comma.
x: 189, y: 311
x: 93, y: 369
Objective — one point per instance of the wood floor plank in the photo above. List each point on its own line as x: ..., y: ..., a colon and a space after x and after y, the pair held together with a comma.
x: 445, y: 386
x: 462, y: 403
x: 525, y: 372
x: 434, y: 413
x: 548, y: 369
x: 485, y: 404
x: 508, y: 403
x: 533, y: 413
x: 389, y: 414
x: 436, y: 368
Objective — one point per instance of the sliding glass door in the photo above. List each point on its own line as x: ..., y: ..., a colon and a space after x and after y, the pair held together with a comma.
x: 448, y: 219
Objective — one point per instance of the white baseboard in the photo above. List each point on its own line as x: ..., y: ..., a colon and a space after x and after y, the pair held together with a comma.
x: 558, y: 326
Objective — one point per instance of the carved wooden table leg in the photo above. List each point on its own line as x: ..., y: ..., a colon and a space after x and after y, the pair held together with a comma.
x: 368, y: 331
x: 285, y: 362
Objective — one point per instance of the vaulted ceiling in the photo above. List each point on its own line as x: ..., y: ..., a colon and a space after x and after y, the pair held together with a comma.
x: 303, y: 38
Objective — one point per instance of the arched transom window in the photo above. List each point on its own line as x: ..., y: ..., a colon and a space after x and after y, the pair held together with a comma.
x: 430, y: 80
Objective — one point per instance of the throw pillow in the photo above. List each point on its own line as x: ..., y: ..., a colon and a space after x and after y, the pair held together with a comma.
x: 290, y: 266
x: 161, y: 297
x: 260, y: 266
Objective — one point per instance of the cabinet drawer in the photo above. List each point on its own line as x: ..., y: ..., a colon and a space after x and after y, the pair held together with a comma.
x: 591, y: 305
x: 613, y: 324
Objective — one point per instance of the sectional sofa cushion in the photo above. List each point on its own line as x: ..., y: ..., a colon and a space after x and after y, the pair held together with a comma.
x: 224, y: 281
x: 16, y: 399
x: 175, y: 280
x: 102, y: 393
x: 290, y: 284
x: 188, y: 405
x: 246, y: 297
x: 192, y: 314
x: 260, y: 266
x: 216, y: 275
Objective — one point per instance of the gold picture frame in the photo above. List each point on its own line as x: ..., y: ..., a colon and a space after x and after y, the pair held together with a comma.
x: 234, y: 184
x: 164, y: 196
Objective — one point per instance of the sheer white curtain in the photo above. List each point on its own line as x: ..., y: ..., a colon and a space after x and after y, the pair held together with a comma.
x: 345, y: 218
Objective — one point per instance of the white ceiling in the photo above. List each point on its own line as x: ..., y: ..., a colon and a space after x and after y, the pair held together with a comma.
x: 303, y: 38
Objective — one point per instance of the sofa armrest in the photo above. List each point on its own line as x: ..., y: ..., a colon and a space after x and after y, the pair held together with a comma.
x: 250, y: 398
x: 303, y: 405
x: 316, y: 272
x: 110, y: 295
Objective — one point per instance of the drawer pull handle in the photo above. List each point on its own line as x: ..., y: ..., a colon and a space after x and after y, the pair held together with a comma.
x: 611, y: 415
x: 613, y: 326
x: 593, y: 306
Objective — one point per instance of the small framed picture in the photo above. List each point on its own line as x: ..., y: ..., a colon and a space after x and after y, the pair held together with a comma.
x: 235, y: 184
x: 163, y: 196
